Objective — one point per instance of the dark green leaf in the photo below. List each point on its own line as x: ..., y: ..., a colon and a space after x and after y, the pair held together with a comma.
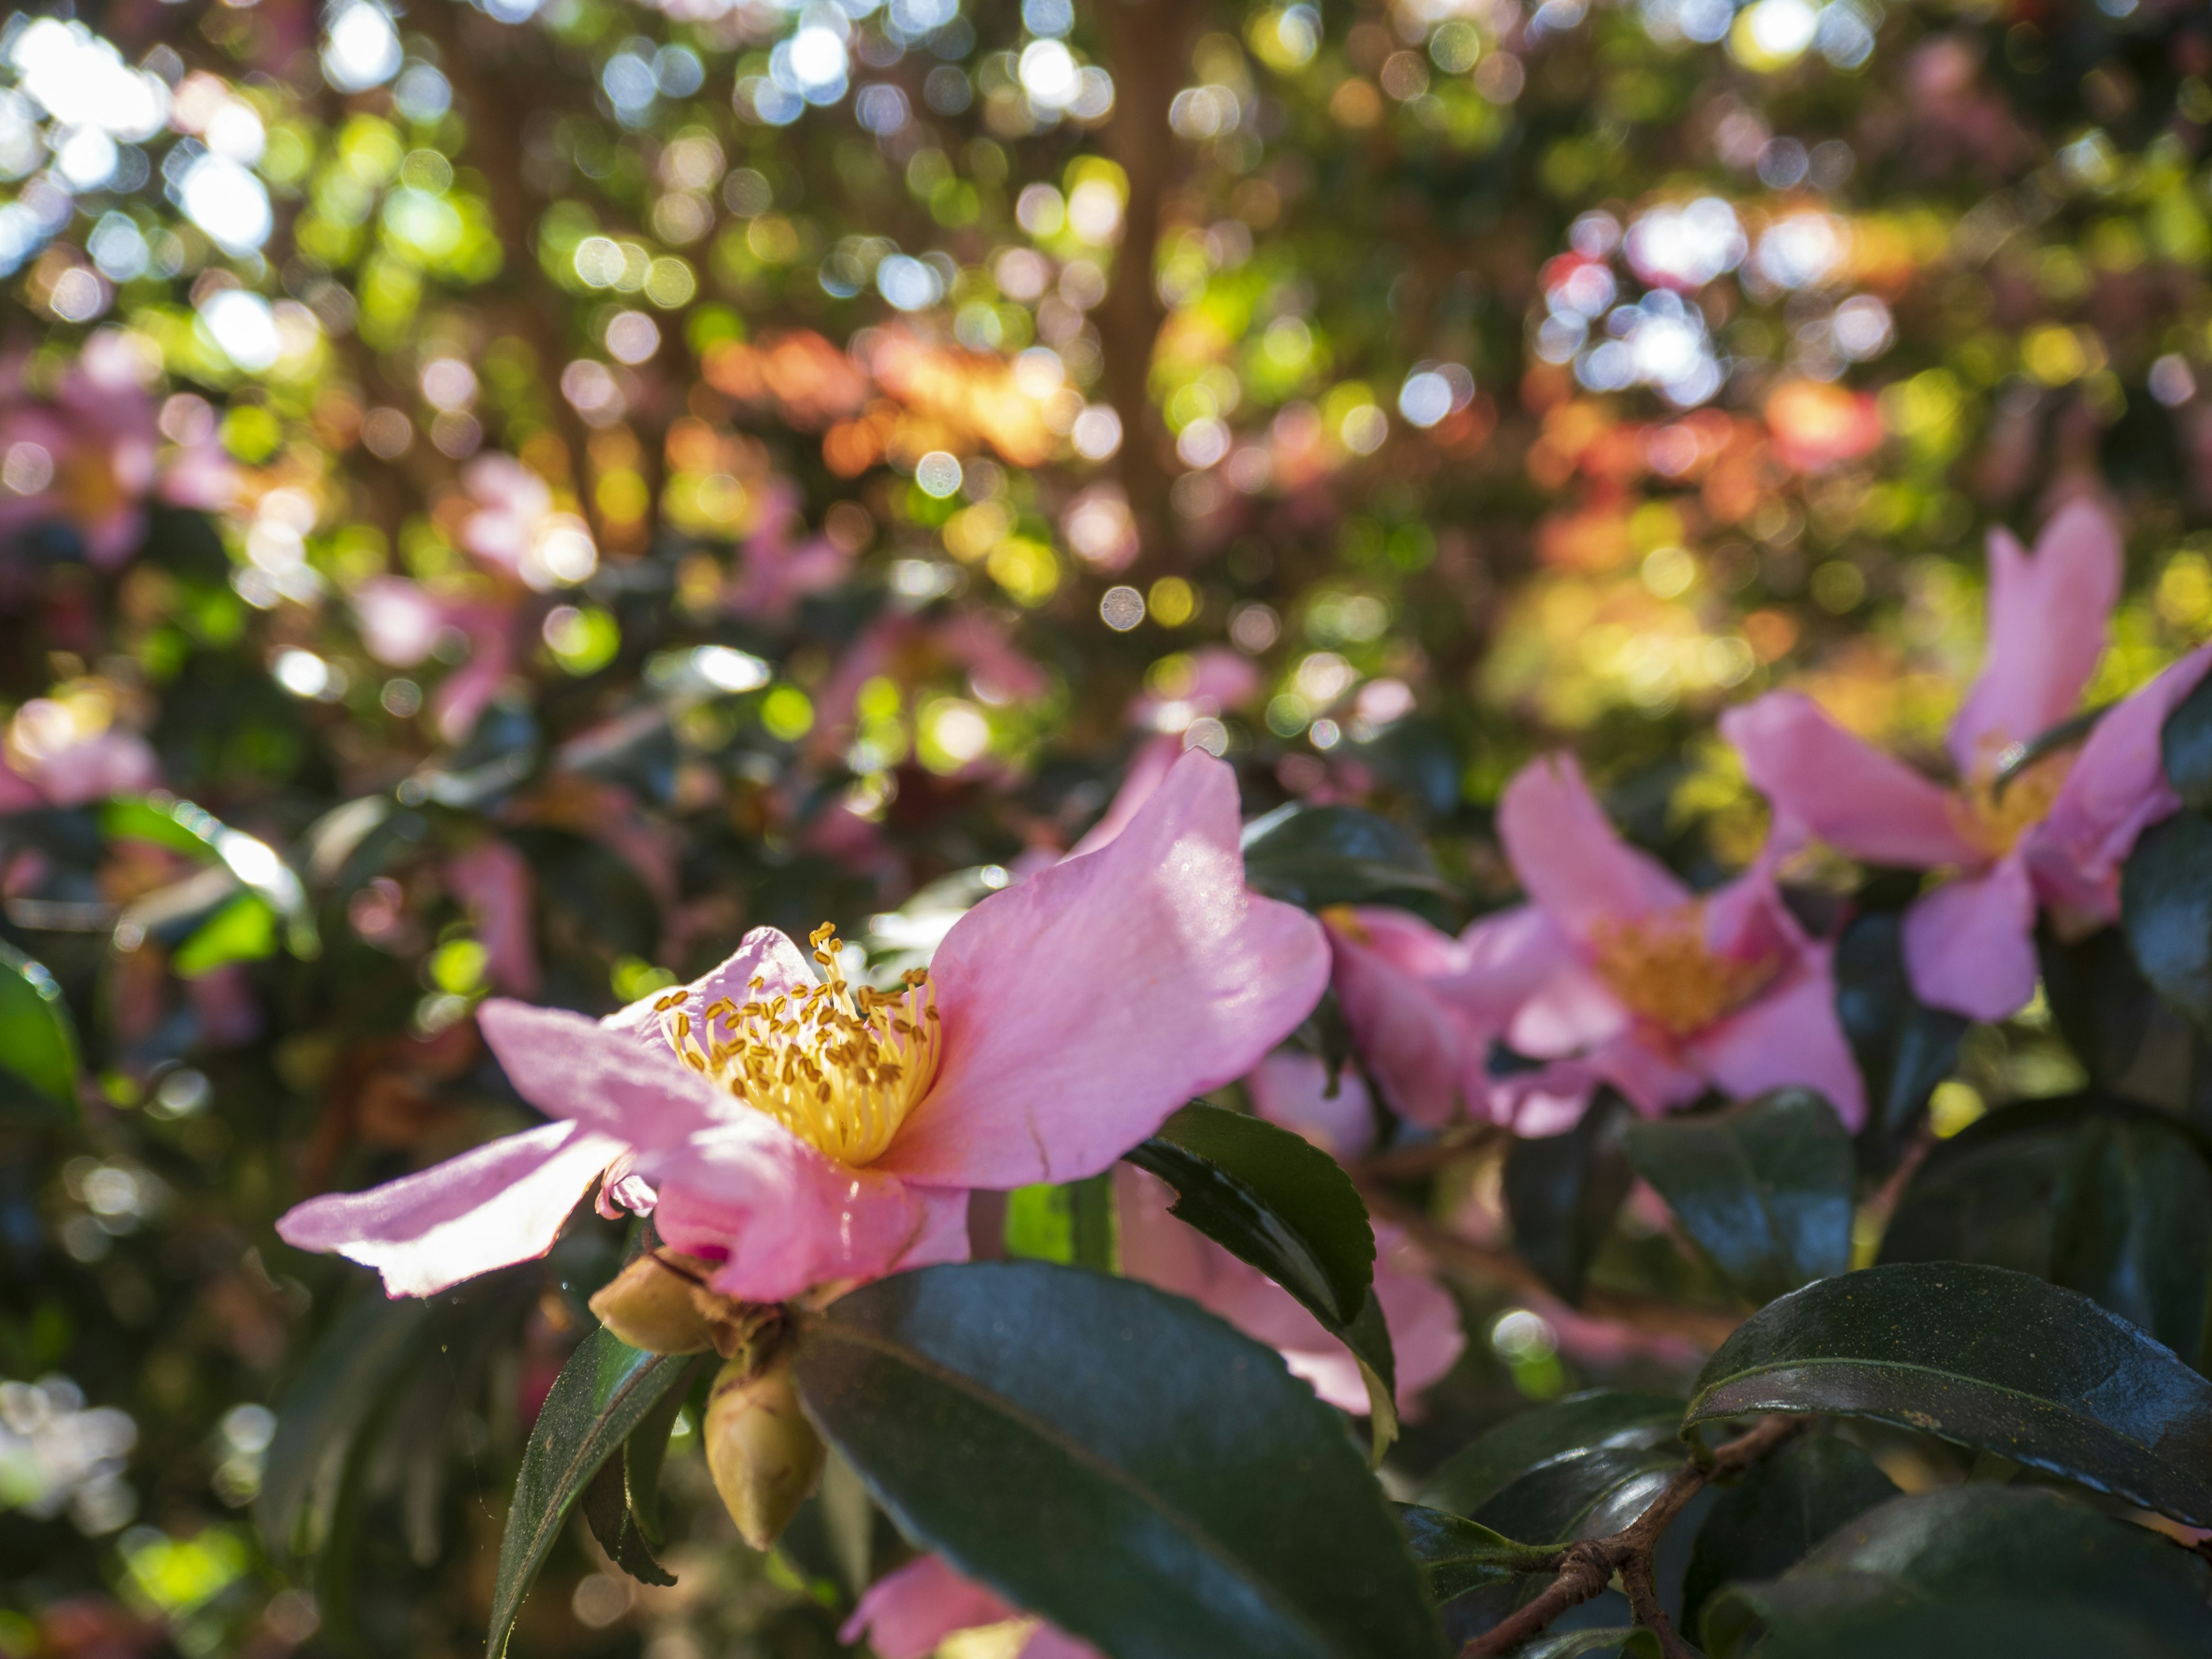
x: 2186, y: 747
x: 602, y: 1393
x: 1764, y: 1187
x: 647, y: 1451
x: 1780, y: 1508
x: 2166, y: 910
x: 1888, y: 1582
x: 2102, y: 1196
x: 1987, y: 1358
x: 1626, y: 1641
x: 1117, y: 1460
x: 1903, y: 1047
x: 38, y: 1038
x: 1460, y: 1555
x: 607, y: 1512
x: 1562, y: 1192
x: 176, y: 824
x: 1276, y: 1200
x: 2100, y: 1002
x: 1316, y: 856
x: 348, y: 1375
x: 244, y: 930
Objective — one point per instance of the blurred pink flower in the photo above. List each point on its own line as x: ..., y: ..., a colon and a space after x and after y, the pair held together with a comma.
x: 1423, y: 1319
x: 907, y: 1613
x: 50, y: 761
x: 1061, y: 1022
x: 1291, y: 1089
x: 2056, y: 833
x: 91, y: 456
x: 491, y: 880
x: 402, y: 624
x: 515, y: 528
x: 778, y: 563
x: 1657, y: 991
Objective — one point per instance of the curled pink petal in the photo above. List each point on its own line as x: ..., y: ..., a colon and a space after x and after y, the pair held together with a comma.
x: 1082, y: 1006
x: 1414, y: 1044
x: 1575, y: 867
x: 767, y: 954
x: 502, y: 1203
x: 1970, y: 945
x: 1852, y: 796
x: 2048, y: 617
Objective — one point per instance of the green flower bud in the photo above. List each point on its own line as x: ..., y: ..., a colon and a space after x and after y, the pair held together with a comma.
x: 763, y: 1454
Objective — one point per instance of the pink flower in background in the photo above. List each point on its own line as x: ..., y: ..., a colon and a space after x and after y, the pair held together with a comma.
x: 65, y: 752
x: 907, y: 1613
x: 2056, y: 832
x: 491, y: 880
x: 516, y: 529
x: 402, y: 624
x: 92, y: 455
x: 1291, y: 1089
x: 778, y: 563
x: 803, y: 1131
x: 1658, y: 991
x: 1424, y: 1321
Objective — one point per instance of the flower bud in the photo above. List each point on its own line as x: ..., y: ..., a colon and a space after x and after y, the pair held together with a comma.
x: 654, y: 1304
x: 763, y: 1454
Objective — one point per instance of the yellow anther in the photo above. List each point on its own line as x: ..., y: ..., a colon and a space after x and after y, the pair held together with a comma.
x: 1663, y: 970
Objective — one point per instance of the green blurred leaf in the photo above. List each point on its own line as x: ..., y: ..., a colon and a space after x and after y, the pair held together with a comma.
x: 1562, y: 1191
x: 2166, y: 910
x: 1316, y: 856
x: 2009, y: 1570
x: 2102, y: 1196
x: 38, y: 1038
x: 2100, y: 1003
x: 1628, y: 1642
x: 601, y: 1395
x: 1117, y: 1460
x: 1780, y: 1508
x: 244, y: 930
x: 1764, y: 1187
x: 1987, y: 1358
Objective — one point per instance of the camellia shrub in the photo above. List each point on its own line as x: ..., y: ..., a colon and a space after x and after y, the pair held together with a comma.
x: 1105, y: 827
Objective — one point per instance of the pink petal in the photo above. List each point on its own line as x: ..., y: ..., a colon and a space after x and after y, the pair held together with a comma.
x: 1854, y: 797
x: 1788, y: 1038
x: 492, y: 881
x: 1575, y: 867
x: 1653, y: 1079
x: 1289, y: 1088
x: 1571, y: 1010
x: 2048, y: 617
x: 1413, y: 1042
x: 2116, y: 790
x: 18, y: 793
x: 906, y: 1613
x: 783, y: 1218
x: 115, y: 763
x: 766, y: 953
x: 1084, y: 1006
x: 568, y: 1066
x: 1970, y: 945
x: 502, y: 1203
x: 399, y: 621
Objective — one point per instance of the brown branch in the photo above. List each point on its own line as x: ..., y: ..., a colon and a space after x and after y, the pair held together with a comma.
x: 1588, y: 1567
x: 1473, y: 1265
x: 1411, y: 1162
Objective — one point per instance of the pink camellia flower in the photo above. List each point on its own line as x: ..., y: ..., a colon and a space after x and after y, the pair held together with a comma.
x: 401, y: 624
x: 516, y: 529
x: 1424, y: 1321
x: 492, y: 882
x: 907, y: 1613
x: 2056, y: 832
x: 1291, y: 1089
x: 778, y: 563
x: 64, y: 752
x: 1656, y: 990
x: 803, y: 1132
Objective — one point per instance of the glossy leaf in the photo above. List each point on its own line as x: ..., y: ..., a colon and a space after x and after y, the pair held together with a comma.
x: 1117, y: 1460
x: 1274, y: 1199
x: 1776, y: 1510
x: 2185, y: 748
x: 1987, y: 1358
x: 1562, y: 1192
x: 1316, y: 856
x: 2098, y: 1001
x: 2102, y: 1196
x: 1764, y: 1187
x: 1628, y: 1642
x: 646, y: 1452
x: 38, y: 1038
x: 1459, y: 1555
x: 1548, y: 1438
x: 601, y: 1395
x: 1903, y: 1577
x: 2166, y: 910
x: 1903, y: 1047
x: 607, y: 1512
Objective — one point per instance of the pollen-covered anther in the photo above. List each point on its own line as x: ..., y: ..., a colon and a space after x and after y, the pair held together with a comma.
x: 840, y: 1066
x: 1661, y: 968
x: 1994, y: 820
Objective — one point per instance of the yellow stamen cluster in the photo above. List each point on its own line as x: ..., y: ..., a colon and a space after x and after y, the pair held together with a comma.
x: 1661, y: 968
x: 1994, y: 821
x: 840, y: 1066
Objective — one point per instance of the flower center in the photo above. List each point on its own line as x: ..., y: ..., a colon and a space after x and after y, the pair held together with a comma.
x: 1995, y: 822
x: 840, y: 1066
x: 1663, y: 970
